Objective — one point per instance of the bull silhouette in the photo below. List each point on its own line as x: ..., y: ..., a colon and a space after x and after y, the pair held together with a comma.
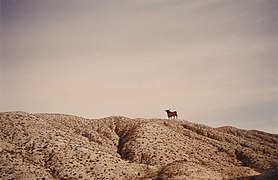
x: 173, y: 114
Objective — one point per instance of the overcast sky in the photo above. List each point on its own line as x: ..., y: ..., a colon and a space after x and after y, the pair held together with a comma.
x: 215, y: 61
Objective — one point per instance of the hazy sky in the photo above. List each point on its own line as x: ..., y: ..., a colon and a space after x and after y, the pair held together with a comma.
x: 215, y: 61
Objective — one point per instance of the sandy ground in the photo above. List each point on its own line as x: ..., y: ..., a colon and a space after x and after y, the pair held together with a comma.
x: 58, y: 146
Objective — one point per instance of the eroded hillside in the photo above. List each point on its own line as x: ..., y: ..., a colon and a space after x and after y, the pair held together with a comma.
x: 57, y: 146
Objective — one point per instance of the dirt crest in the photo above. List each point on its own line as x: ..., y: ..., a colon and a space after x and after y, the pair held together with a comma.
x: 59, y: 146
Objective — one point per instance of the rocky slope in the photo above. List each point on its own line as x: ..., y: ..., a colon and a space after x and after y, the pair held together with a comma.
x: 57, y: 146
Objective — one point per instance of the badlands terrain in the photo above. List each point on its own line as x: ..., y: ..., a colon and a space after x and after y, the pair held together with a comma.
x: 58, y: 146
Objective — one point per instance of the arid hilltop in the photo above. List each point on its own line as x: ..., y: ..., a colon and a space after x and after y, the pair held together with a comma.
x: 58, y: 146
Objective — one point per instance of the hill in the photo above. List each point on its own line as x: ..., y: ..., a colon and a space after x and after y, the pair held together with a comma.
x: 59, y: 146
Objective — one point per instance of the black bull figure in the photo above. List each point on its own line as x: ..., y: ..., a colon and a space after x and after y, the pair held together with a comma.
x: 173, y: 114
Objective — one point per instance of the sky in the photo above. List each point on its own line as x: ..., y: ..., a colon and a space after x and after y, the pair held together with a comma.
x: 213, y: 61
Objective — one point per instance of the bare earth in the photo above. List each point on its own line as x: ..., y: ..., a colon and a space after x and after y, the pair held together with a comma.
x: 58, y: 146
